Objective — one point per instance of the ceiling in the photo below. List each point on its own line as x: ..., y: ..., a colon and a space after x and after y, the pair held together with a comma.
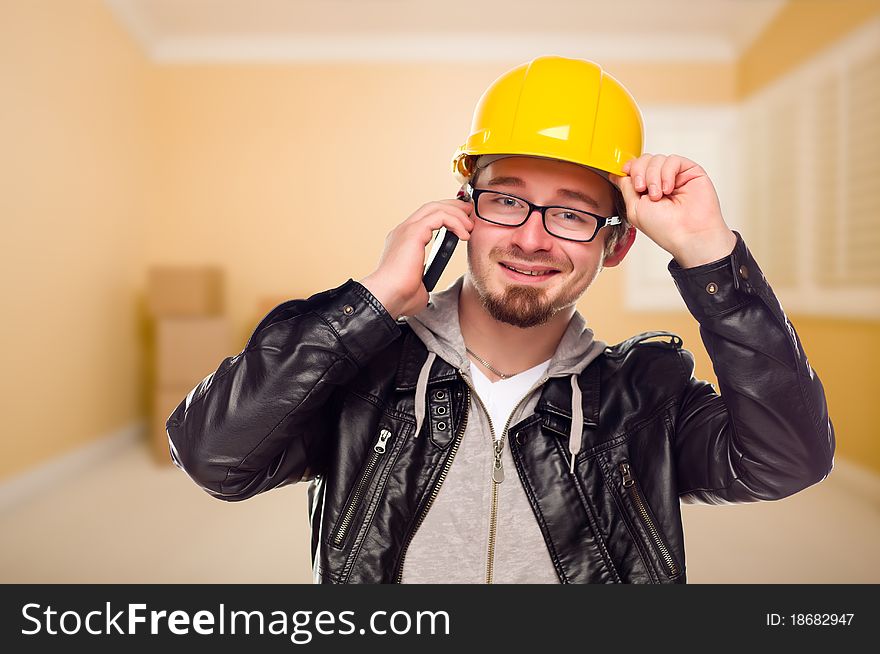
x: 345, y: 30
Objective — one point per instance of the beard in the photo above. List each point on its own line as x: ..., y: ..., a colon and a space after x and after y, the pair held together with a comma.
x: 523, y: 305
x: 518, y: 305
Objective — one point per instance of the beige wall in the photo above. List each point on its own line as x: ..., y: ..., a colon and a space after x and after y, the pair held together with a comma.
x: 288, y: 175
x: 845, y: 353
x: 291, y: 175
x: 76, y: 182
x: 800, y: 30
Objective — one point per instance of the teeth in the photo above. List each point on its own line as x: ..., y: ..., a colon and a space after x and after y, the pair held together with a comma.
x: 527, y: 272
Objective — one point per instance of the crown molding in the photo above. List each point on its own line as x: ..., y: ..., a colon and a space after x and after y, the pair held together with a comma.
x: 435, y: 47
x: 133, y: 18
x: 412, y: 46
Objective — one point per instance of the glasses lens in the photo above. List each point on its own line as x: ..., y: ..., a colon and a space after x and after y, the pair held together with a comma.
x: 570, y: 223
x: 561, y: 221
x: 501, y: 208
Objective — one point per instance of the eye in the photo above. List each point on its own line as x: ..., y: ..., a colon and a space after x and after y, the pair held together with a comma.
x: 570, y: 216
x: 507, y: 201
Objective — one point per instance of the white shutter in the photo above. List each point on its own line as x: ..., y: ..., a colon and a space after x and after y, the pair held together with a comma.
x: 706, y: 135
x: 861, y: 222
x: 797, y: 169
x: 811, y: 179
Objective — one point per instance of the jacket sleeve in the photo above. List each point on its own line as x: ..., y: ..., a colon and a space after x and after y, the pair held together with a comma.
x: 767, y: 435
x: 262, y: 419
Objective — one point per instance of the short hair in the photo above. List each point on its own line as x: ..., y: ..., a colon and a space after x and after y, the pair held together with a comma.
x: 616, y: 233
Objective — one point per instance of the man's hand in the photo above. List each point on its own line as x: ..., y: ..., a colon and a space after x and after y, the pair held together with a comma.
x: 673, y: 202
x: 397, y: 281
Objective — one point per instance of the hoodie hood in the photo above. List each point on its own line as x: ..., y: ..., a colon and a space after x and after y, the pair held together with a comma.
x: 438, y: 327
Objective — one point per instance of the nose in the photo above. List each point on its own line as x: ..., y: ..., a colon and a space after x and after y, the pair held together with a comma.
x: 531, y: 235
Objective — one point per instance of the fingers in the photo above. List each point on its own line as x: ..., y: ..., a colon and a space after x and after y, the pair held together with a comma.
x: 465, y: 205
x: 652, y: 176
x: 626, y: 186
x: 668, y: 172
x: 466, y: 209
x: 459, y: 225
x: 637, y: 172
x: 655, y: 174
x: 397, y: 280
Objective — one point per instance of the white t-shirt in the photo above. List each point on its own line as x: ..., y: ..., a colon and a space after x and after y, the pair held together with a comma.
x: 502, y: 396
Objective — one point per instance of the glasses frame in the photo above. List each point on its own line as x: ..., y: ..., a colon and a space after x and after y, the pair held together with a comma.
x: 601, y: 221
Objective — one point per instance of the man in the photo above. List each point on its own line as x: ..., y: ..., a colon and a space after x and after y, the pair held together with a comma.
x: 481, y: 433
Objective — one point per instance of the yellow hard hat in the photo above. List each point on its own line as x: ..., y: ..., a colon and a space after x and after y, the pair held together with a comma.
x: 567, y: 109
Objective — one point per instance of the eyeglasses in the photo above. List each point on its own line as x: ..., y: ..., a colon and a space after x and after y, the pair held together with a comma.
x: 562, y: 222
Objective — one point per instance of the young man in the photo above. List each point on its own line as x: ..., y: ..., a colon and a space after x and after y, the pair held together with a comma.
x: 481, y: 433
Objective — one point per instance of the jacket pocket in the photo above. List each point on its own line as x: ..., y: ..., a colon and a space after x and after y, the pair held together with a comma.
x: 380, y: 446
x: 631, y: 486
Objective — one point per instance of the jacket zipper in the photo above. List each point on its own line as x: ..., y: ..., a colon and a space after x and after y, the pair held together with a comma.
x: 439, y: 483
x: 497, y: 475
x: 497, y: 478
x: 629, y: 483
x: 378, y: 451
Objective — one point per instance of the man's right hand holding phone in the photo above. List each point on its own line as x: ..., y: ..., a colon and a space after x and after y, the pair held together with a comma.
x: 397, y: 280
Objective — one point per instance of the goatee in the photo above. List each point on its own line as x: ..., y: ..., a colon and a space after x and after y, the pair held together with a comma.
x: 519, y: 306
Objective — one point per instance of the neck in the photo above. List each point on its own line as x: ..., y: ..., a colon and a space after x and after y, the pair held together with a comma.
x: 508, y: 348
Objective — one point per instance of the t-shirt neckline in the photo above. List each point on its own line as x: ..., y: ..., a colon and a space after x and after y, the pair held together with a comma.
x: 513, y: 378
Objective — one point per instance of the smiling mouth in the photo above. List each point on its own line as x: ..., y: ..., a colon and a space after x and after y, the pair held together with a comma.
x: 546, y: 272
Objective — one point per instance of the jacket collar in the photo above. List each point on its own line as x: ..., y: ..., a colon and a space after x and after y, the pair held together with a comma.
x: 555, y: 395
x: 413, y: 358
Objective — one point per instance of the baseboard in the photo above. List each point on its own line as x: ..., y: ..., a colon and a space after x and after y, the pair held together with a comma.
x: 30, y: 483
x: 856, y: 478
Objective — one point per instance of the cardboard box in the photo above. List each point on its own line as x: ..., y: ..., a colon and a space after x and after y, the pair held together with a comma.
x: 178, y: 291
x: 165, y: 401
x: 189, y: 349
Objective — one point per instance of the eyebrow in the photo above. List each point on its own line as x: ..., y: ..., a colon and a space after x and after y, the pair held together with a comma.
x: 562, y: 192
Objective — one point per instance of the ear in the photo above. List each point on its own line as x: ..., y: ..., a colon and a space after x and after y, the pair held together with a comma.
x: 620, y: 250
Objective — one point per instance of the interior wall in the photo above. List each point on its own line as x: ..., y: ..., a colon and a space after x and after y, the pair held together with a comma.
x: 289, y: 176
x: 801, y: 29
x: 77, y: 181
x: 292, y: 176
x: 843, y: 352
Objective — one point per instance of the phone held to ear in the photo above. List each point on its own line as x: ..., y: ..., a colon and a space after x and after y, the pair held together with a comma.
x: 441, y: 251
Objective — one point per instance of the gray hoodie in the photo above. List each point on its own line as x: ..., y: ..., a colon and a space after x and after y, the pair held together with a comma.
x: 452, y: 543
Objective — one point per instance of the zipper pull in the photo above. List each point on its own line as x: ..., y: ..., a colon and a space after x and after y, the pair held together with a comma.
x: 497, y: 468
x: 627, y: 475
x: 384, y: 435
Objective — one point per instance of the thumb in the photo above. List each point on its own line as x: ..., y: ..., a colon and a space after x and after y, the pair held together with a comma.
x: 630, y: 195
x: 615, y: 179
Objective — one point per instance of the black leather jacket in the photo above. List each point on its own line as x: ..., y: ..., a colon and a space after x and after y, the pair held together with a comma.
x: 324, y: 389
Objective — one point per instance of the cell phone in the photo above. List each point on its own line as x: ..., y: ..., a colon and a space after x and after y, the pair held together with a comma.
x: 441, y: 251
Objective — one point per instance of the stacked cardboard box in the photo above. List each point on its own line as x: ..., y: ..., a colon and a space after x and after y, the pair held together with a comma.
x: 193, y: 336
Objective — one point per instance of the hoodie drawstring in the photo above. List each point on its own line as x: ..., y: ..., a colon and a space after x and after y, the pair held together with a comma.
x: 575, y: 432
x: 422, y: 391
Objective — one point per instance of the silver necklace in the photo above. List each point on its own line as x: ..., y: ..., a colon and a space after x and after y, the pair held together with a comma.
x: 487, y: 364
